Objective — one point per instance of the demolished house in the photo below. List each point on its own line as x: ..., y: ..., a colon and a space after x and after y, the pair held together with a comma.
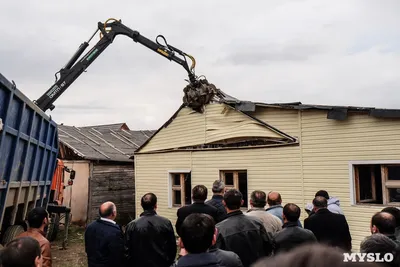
x: 102, y: 158
x: 292, y: 148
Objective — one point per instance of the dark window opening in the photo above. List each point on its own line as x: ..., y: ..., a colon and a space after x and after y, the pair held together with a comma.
x: 229, y: 178
x: 394, y: 194
x: 243, y: 187
x: 188, y: 189
x: 177, y: 179
x: 181, y: 189
x: 393, y: 173
x: 236, y: 180
x: 369, y: 184
x: 377, y: 184
x: 177, y: 197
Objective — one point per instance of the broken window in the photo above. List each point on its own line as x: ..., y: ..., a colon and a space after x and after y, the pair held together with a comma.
x: 181, y: 189
x: 377, y: 184
x: 236, y: 180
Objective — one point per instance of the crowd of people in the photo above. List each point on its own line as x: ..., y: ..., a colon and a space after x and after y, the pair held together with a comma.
x: 218, y: 232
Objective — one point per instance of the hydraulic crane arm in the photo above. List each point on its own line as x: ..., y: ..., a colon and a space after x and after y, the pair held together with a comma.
x: 108, y: 31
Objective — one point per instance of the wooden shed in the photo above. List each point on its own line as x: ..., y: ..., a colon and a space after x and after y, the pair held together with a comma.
x: 292, y: 148
x: 102, y: 158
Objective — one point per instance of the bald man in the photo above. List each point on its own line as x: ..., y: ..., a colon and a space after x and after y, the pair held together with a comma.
x: 384, y: 223
x: 274, y: 201
x: 104, y: 243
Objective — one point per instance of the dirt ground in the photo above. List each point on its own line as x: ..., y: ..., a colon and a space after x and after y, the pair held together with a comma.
x: 74, y: 255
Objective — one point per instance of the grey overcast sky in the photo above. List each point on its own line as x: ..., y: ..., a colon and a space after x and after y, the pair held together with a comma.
x: 318, y: 52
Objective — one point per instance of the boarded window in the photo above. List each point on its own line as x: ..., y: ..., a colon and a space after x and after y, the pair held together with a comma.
x: 181, y: 189
x: 237, y: 180
x: 377, y: 184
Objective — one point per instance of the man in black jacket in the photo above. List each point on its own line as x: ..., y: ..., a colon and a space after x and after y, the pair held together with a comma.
x: 328, y: 227
x: 150, y: 239
x: 104, y: 243
x: 218, y: 190
x: 197, y: 232
x: 199, y: 196
x: 244, y: 235
x: 292, y: 235
x: 224, y: 258
x: 379, y: 243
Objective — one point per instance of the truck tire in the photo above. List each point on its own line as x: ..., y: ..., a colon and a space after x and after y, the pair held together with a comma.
x: 53, y: 227
x: 11, y: 232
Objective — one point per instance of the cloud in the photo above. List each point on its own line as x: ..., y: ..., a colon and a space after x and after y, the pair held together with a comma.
x: 270, y: 54
x: 320, y: 52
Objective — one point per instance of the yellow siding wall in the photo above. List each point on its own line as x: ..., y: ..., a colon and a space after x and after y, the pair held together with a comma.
x: 285, y: 120
x: 151, y: 175
x: 327, y: 148
x: 218, y: 122
x: 187, y: 123
x: 267, y: 169
x: 223, y: 122
x: 321, y: 162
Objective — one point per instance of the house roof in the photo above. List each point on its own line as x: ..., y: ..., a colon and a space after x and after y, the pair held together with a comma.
x: 112, y: 142
x: 334, y: 112
x: 246, y: 107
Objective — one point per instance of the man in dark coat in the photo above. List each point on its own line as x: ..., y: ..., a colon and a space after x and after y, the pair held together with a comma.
x: 104, y: 243
x: 379, y: 243
x: 328, y: 227
x: 244, y: 235
x: 150, y: 239
x: 223, y: 258
x: 292, y: 235
x: 196, y: 236
x: 218, y: 190
x: 199, y: 196
x: 333, y: 203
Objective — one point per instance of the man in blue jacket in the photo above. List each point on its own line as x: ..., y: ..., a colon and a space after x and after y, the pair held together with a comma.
x: 274, y: 201
x: 104, y: 243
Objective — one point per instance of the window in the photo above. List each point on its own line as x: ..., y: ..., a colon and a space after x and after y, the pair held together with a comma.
x: 237, y: 180
x: 181, y: 189
x: 377, y: 184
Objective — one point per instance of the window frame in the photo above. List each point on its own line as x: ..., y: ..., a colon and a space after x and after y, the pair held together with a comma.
x: 181, y: 188
x: 235, y: 181
x: 386, y: 183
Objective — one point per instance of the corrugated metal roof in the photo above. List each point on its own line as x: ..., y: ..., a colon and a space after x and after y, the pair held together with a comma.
x: 111, y: 142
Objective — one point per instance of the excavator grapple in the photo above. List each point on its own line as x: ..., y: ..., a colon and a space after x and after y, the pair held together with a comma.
x: 198, y: 94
